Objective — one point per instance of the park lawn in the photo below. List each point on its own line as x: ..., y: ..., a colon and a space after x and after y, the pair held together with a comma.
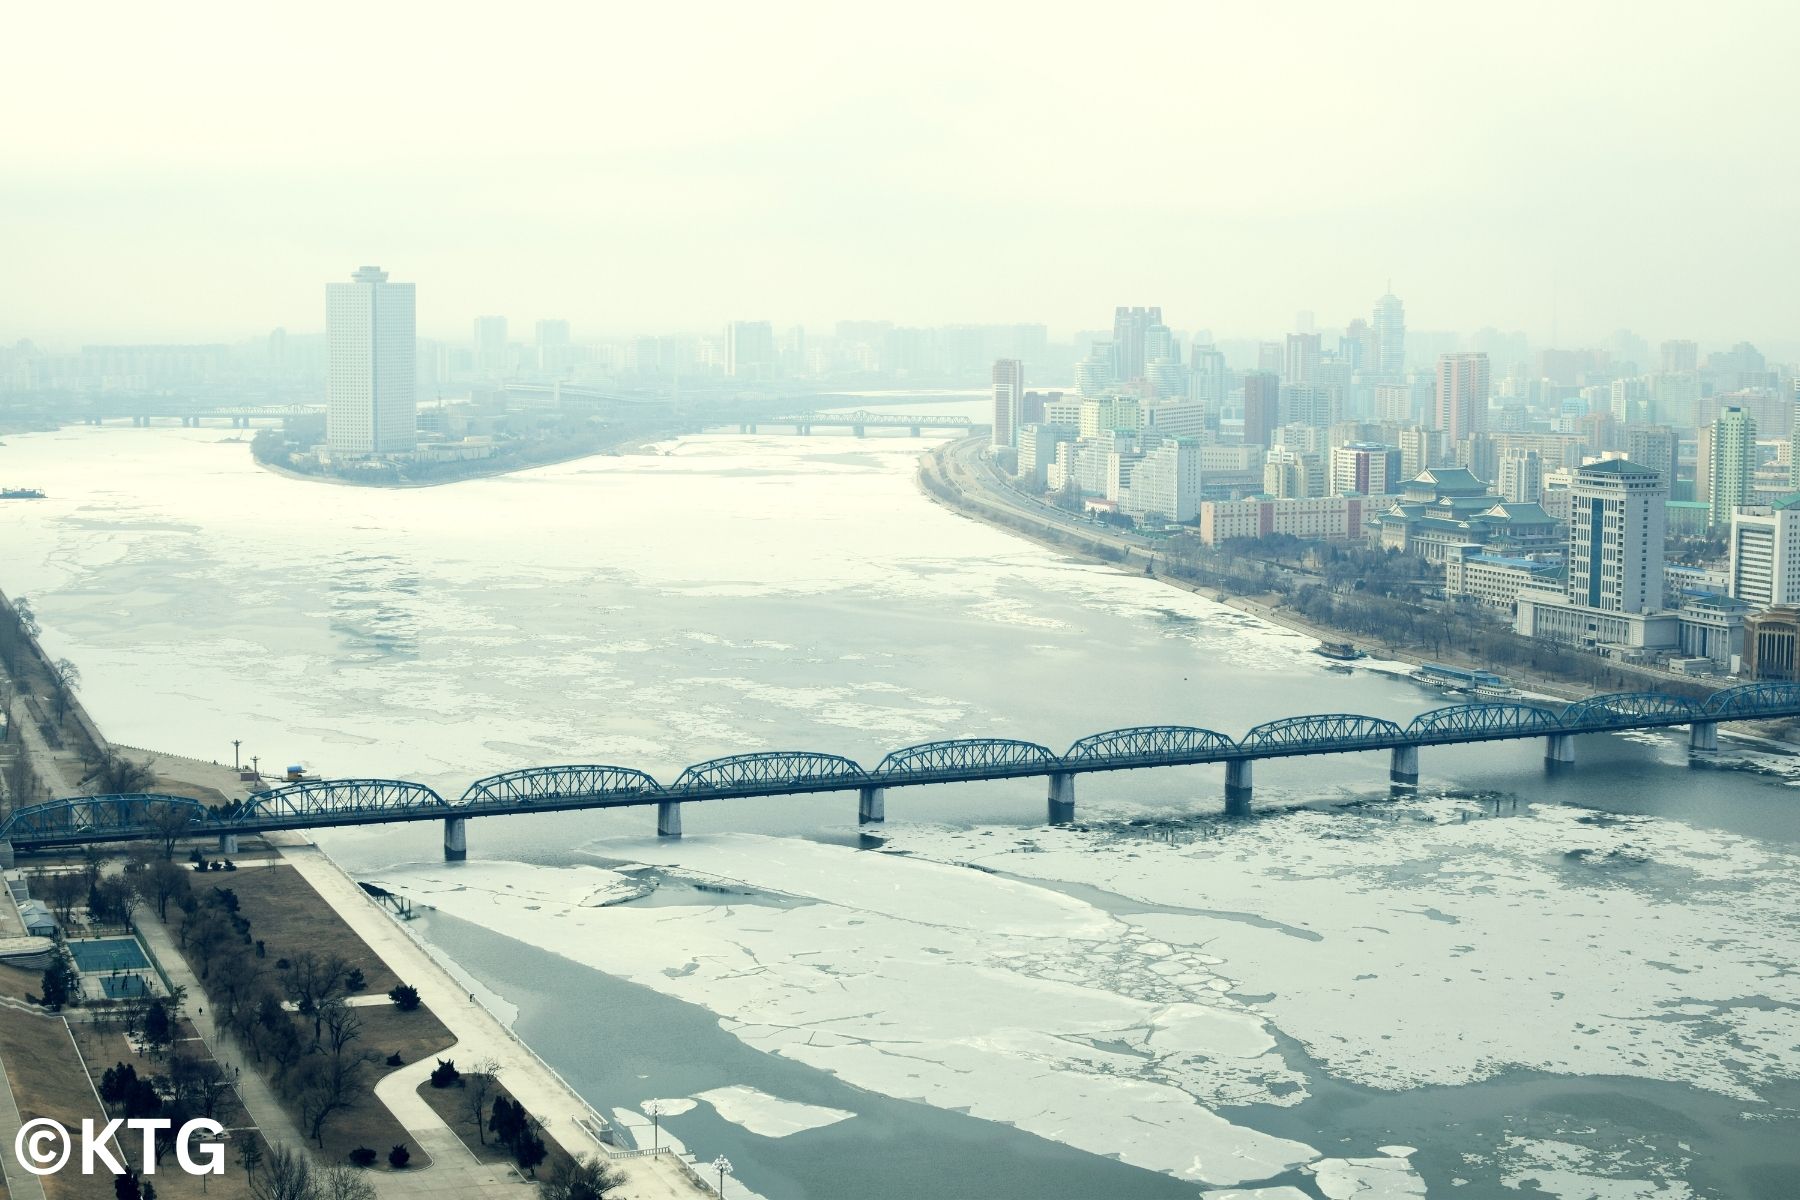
x: 367, y: 1122
x: 48, y: 1081
x: 289, y: 917
x: 104, y: 1048
x: 448, y: 1104
x: 414, y: 1035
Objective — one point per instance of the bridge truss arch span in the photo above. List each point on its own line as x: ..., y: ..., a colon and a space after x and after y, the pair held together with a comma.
x: 102, y: 818
x: 770, y: 770
x: 573, y: 782
x: 1625, y: 709
x: 357, y: 799
x: 1151, y: 744
x: 1753, y: 700
x: 972, y: 756
x: 1321, y: 733
x: 1484, y: 721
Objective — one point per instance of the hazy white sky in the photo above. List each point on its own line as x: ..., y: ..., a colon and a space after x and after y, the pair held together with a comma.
x: 199, y: 170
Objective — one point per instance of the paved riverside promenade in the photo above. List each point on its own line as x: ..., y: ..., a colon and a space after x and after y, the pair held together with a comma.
x: 479, y: 1035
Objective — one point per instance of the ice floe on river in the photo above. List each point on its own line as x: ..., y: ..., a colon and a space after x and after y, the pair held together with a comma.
x: 769, y: 1116
x: 1123, y: 996
x: 1406, y: 945
x: 932, y: 982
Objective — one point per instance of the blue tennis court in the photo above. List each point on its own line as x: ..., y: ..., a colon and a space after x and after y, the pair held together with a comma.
x: 108, y: 954
x: 120, y: 987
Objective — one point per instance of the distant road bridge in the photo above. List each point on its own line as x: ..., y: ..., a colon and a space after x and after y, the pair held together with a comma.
x: 239, y: 415
x: 560, y: 394
x: 859, y: 422
x: 317, y: 804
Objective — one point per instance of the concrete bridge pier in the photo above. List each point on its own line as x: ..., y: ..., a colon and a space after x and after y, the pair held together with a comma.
x: 228, y: 843
x: 915, y: 430
x: 1403, y: 766
x: 6, y: 854
x: 668, y: 818
x: 1238, y: 789
x: 1062, y: 797
x: 456, y: 839
x: 871, y: 805
x: 1559, y: 750
x: 859, y: 430
x: 1703, y: 736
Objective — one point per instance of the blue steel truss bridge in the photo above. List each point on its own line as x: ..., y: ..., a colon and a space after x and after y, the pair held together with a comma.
x: 317, y: 804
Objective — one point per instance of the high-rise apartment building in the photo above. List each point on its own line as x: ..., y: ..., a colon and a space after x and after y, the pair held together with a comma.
x: 750, y: 350
x: 1365, y: 469
x: 1520, y: 476
x: 1300, y: 362
x: 1308, y: 404
x: 1617, y: 518
x: 1130, y: 325
x: 554, y: 352
x: 1207, y: 380
x: 1390, y: 336
x: 1159, y: 342
x: 1420, y: 450
x: 493, y: 355
x: 371, y: 361
x: 1394, y: 403
x: 1656, y: 447
x: 1462, y: 394
x: 1165, y: 379
x: 1099, y: 370
x: 1765, y: 554
x: 1009, y: 400
x: 1731, y: 463
x: 1293, y: 474
x: 1166, y: 481
x: 1794, y: 441
x: 1262, y: 406
x: 1356, y: 349
x: 1680, y: 356
x: 1675, y: 398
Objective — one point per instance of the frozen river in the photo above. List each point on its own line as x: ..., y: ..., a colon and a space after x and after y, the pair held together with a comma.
x: 1508, y: 985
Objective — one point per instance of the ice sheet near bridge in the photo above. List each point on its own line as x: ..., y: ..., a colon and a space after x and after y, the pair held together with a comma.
x: 1614, y: 946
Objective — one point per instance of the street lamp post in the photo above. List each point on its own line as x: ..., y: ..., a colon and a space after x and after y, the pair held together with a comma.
x: 654, y: 1111
x: 236, y: 765
x: 722, y: 1165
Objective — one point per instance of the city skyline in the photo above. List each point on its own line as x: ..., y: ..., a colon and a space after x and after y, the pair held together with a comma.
x: 599, y: 180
